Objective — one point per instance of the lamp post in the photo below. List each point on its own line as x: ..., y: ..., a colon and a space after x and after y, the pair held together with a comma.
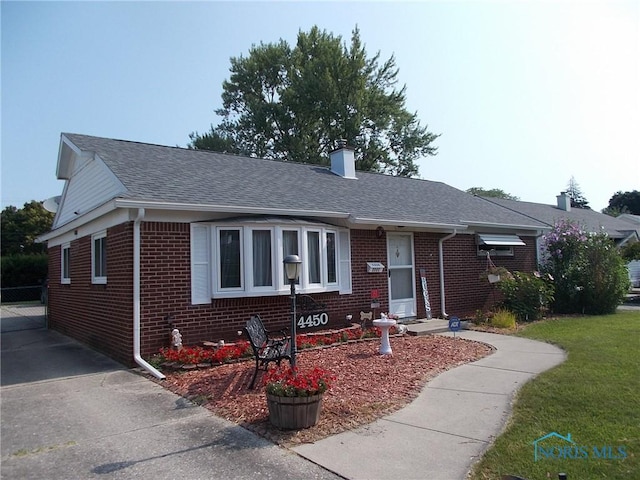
x: 292, y: 269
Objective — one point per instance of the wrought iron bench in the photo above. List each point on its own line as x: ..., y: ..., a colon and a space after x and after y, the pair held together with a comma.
x: 266, y: 346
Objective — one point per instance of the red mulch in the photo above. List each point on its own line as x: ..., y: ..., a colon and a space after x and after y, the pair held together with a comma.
x: 367, y: 386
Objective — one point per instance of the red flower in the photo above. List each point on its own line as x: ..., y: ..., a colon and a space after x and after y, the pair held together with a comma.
x: 290, y: 382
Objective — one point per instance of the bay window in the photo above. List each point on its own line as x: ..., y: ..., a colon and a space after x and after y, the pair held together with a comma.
x: 313, y: 257
x: 262, y: 258
x: 246, y: 259
x: 229, y: 261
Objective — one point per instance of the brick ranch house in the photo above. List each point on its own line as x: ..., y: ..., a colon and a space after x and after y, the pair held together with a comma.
x: 149, y: 237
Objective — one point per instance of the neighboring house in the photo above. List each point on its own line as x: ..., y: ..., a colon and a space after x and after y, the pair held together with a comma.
x: 148, y: 237
x: 623, y: 229
x: 634, y: 265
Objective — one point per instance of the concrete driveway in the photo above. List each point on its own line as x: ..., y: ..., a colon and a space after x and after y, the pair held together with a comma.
x: 71, y: 413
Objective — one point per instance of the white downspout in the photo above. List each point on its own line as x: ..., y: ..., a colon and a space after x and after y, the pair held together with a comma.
x: 441, y: 261
x: 136, y: 298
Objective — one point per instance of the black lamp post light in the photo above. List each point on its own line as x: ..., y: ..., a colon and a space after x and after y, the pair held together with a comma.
x: 292, y: 269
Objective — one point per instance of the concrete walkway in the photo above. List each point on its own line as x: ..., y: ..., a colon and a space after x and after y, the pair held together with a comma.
x: 71, y: 413
x: 449, y: 426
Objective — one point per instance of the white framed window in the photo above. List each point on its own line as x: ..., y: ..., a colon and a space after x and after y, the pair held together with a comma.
x: 499, y: 245
x: 65, y: 263
x: 495, y: 250
x: 99, y: 257
x: 290, y: 246
x: 332, y: 258
x: 261, y: 251
x: 313, y: 258
x: 229, y: 260
x: 239, y: 260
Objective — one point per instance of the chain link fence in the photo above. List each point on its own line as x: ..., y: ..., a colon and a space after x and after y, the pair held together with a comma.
x: 23, y: 294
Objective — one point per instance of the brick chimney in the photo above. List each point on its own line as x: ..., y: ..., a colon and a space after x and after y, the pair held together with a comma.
x: 343, y: 160
x: 564, y: 201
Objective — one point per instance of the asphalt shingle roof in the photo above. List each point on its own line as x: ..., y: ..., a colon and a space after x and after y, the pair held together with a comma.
x: 589, y: 219
x: 196, y: 177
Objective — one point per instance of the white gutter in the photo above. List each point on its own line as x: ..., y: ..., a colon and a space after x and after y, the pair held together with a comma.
x: 136, y: 298
x: 509, y: 226
x: 441, y: 261
x: 235, y: 209
x: 404, y: 223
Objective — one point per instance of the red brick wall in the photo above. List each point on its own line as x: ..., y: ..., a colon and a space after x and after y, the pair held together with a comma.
x: 102, y: 315
x: 465, y: 293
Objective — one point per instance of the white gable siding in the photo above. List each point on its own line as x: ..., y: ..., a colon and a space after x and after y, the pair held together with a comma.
x: 91, y: 185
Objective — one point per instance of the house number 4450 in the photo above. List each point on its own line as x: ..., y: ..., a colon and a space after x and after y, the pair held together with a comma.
x: 314, y: 320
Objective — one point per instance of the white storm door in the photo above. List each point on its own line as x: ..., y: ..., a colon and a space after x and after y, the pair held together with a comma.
x: 402, y: 291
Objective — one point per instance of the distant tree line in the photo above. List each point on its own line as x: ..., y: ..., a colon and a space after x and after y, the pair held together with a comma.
x: 24, y: 261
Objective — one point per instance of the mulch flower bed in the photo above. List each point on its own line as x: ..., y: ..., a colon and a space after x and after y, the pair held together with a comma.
x: 367, y: 385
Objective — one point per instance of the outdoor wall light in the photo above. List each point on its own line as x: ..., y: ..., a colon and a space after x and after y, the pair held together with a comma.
x: 292, y: 269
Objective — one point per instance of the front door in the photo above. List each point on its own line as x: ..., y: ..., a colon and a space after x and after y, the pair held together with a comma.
x: 402, y: 291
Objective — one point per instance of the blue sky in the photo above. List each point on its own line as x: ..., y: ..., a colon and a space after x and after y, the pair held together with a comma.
x: 525, y: 94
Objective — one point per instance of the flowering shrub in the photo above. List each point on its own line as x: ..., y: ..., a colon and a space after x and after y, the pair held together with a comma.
x: 317, y: 340
x: 195, y: 355
x: 527, y: 295
x: 589, y: 273
x: 291, y: 382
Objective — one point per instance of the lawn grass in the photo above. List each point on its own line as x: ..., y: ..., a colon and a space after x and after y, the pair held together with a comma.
x: 594, y: 395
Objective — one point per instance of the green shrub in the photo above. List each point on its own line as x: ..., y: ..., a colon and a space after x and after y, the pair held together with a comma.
x: 528, y: 295
x: 589, y: 274
x: 22, y: 270
x: 605, y: 277
x: 503, y: 319
x: 631, y: 251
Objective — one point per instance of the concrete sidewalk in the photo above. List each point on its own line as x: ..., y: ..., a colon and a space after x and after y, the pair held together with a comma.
x: 449, y: 426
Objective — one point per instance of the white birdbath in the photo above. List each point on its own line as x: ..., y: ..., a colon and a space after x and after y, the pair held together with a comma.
x: 384, y: 324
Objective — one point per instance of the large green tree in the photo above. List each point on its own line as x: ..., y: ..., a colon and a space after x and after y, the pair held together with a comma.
x: 493, y: 193
x: 21, y: 226
x: 295, y: 103
x: 624, y: 202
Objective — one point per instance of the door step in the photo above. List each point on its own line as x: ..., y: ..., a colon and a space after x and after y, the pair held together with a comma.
x: 429, y: 327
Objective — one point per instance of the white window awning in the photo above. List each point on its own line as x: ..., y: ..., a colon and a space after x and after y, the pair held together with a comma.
x: 499, y: 240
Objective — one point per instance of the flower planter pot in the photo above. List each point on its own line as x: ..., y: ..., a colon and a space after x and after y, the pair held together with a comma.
x: 294, y: 413
x: 493, y: 278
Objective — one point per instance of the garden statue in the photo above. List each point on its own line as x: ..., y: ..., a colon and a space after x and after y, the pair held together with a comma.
x: 176, y: 339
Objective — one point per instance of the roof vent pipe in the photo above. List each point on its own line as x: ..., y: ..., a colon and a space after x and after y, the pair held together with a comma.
x: 564, y: 201
x: 343, y: 160
x: 441, y: 264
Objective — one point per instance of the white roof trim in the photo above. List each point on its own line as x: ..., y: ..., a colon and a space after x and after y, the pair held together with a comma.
x: 499, y: 240
x: 403, y: 223
x: 507, y: 226
x: 151, y: 205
